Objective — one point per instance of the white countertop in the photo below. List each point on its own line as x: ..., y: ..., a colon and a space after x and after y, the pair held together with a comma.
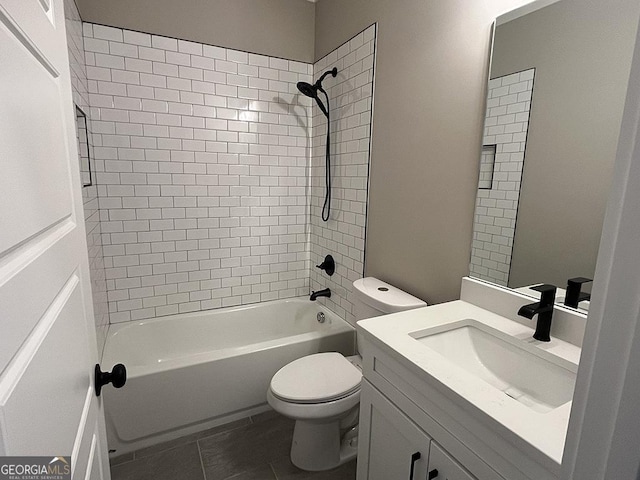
x: 545, y: 432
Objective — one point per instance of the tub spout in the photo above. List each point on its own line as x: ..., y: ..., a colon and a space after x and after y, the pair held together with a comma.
x: 320, y: 293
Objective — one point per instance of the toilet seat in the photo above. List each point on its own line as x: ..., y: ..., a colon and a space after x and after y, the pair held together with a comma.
x: 318, y: 378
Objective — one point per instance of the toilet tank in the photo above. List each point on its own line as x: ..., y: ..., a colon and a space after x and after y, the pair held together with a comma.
x: 373, y: 297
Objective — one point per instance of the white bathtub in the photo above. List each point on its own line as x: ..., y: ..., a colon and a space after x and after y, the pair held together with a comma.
x: 194, y: 371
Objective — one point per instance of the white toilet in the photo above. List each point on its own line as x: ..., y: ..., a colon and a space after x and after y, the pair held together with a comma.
x: 322, y: 391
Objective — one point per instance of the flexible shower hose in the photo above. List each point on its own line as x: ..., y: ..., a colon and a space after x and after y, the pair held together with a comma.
x: 326, y: 208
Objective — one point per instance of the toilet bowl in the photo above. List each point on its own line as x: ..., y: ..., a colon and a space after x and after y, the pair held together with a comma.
x: 322, y: 391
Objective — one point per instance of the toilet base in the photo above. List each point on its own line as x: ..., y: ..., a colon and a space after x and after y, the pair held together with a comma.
x: 317, y: 446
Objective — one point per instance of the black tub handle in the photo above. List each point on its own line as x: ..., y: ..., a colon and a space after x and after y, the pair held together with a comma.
x: 328, y: 265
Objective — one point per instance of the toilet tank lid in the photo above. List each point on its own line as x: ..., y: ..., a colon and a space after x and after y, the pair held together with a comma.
x: 384, y: 297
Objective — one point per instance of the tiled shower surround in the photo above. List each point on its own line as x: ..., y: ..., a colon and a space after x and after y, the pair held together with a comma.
x: 506, y: 126
x: 202, y: 157
x: 79, y: 85
x: 351, y: 99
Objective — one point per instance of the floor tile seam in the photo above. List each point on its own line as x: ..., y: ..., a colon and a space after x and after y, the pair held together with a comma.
x: 273, y: 470
x: 195, y: 440
x: 164, y: 450
x: 204, y: 473
x: 122, y: 463
x: 223, y: 432
x: 258, y: 422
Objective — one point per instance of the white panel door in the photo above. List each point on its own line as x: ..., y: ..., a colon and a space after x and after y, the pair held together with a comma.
x: 47, y: 336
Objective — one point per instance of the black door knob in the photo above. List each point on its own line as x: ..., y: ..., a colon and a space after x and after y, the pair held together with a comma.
x: 117, y: 377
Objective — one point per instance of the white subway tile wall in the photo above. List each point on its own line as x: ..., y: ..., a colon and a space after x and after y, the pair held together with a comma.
x: 351, y: 97
x: 202, y: 166
x: 79, y: 84
x: 506, y: 126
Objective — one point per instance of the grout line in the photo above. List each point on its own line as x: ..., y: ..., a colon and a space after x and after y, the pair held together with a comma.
x: 222, y: 431
x: 273, y: 470
x: 121, y: 463
x: 164, y: 450
x: 204, y: 475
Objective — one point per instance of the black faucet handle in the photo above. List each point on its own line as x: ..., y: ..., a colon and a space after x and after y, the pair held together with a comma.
x: 574, y: 295
x: 545, y: 287
x: 548, y: 292
x: 578, y: 281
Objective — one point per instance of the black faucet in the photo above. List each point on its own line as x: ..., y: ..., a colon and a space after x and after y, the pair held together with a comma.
x: 574, y: 296
x: 544, y: 310
x: 320, y: 293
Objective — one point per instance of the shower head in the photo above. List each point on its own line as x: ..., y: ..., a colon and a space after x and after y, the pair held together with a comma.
x: 308, y: 89
x: 311, y: 91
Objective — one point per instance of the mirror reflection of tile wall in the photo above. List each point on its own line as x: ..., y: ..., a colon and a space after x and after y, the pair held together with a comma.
x: 506, y: 126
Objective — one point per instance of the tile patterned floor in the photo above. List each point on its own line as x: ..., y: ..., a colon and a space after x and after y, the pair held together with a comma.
x: 255, y: 448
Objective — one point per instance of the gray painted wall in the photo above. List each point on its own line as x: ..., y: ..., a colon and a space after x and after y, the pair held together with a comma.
x: 582, y: 54
x: 431, y: 73
x: 280, y: 28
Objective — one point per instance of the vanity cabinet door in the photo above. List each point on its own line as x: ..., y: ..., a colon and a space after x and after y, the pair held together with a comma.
x: 391, y: 446
x: 443, y: 467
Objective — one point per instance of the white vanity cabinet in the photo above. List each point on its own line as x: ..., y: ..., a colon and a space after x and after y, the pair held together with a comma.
x: 394, y: 447
x: 405, y: 412
x: 430, y: 387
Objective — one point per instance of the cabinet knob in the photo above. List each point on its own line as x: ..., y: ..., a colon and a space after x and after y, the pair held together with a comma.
x: 432, y: 474
x: 414, y: 458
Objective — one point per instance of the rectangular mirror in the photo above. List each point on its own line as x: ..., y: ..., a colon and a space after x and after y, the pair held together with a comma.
x: 558, y: 80
x: 84, y: 157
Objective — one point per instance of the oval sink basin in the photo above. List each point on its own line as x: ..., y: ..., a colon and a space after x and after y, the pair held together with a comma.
x: 524, y: 372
